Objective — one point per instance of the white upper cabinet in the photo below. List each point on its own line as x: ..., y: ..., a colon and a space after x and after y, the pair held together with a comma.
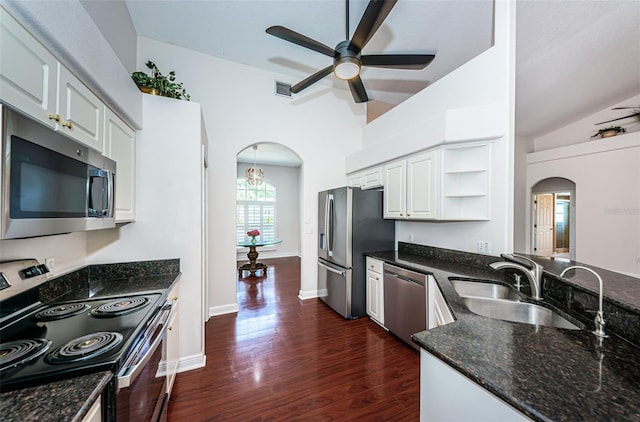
x: 28, y: 72
x: 395, y: 189
x: 80, y: 110
x: 447, y: 183
x: 367, y: 179
x: 422, y: 186
x: 120, y: 146
x: 35, y: 83
x: 411, y: 187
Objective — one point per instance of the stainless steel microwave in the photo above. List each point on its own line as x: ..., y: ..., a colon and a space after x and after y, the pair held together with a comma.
x: 51, y: 184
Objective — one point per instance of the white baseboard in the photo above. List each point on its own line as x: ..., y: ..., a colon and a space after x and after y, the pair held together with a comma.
x: 192, y: 362
x: 223, y: 309
x: 309, y: 294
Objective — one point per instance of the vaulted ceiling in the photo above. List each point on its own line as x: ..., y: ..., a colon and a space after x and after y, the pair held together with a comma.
x: 573, y: 57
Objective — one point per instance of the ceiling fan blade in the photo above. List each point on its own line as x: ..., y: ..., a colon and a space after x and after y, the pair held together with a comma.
x: 374, y: 15
x: 620, y: 118
x: 302, y: 40
x: 357, y: 90
x: 311, y: 79
x: 398, y: 61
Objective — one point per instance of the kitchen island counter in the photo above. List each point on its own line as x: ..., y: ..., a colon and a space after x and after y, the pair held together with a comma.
x: 546, y: 373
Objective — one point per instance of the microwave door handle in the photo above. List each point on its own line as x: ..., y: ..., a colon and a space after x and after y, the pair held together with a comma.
x: 91, y: 211
x: 110, y: 211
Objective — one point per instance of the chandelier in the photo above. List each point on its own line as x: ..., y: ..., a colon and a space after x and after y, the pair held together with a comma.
x: 255, y: 175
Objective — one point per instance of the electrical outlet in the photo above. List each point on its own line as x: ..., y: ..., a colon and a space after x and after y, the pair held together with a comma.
x: 50, y: 263
x: 410, y: 237
x: 637, y: 259
x: 484, y: 247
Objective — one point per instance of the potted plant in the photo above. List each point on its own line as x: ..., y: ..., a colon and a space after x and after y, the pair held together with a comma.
x: 159, y: 84
x: 609, y: 131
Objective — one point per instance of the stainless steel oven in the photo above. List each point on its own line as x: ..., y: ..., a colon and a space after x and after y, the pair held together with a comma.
x: 142, y: 383
x: 50, y: 184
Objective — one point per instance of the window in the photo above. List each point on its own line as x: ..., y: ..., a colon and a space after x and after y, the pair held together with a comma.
x: 256, y: 209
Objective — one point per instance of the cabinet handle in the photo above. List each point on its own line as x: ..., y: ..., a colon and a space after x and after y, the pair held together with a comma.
x: 174, y: 298
x: 408, y: 215
x: 401, y: 215
x: 55, y: 117
x: 68, y: 124
x: 170, y: 328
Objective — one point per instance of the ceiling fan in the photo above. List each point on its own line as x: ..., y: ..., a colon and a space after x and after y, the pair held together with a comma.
x: 347, y: 57
x: 636, y: 113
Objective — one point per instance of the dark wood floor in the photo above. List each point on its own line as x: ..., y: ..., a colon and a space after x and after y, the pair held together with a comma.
x: 283, y: 359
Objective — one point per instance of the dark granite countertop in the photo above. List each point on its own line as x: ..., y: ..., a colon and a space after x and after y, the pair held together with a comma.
x: 549, y: 374
x: 67, y: 400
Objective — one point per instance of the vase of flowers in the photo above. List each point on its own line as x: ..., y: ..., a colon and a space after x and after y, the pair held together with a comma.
x: 252, y: 234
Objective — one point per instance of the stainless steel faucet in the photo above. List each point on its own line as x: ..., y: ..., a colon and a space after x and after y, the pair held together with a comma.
x: 533, y: 273
x: 599, y: 321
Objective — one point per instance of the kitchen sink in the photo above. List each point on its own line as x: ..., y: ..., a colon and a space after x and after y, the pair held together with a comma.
x: 508, y: 310
x: 466, y: 288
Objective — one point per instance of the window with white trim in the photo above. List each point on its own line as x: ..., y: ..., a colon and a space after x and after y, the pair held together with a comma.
x: 255, y: 209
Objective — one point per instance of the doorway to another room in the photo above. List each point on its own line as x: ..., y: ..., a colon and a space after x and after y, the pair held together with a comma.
x: 553, y: 225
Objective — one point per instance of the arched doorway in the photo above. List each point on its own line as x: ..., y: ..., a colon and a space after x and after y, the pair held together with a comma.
x: 273, y: 206
x: 553, y: 218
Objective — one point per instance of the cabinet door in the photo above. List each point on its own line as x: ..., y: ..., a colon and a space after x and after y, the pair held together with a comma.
x: 80, y: 110
x: 422, y: 186
x: 395, y: 189
x: 120, y: 146
x: 28, y: 72
x: 173, y: 341
x: 375, y: 306
x: 372, y: 178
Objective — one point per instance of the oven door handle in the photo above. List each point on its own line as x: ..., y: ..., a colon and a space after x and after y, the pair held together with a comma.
x: 129, y: 374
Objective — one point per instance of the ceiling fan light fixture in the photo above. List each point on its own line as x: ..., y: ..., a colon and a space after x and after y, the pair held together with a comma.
x: 347, y: 68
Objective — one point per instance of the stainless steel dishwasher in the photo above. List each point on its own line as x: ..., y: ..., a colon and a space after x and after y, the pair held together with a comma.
x: 405, y: 302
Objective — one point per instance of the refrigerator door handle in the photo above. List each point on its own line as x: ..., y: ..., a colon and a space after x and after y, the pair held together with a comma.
x: 333, y: 270
x: 329, y: 225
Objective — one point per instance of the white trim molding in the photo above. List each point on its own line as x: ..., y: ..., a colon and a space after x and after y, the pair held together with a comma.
x: 192, y: 362
x: 223, y: 309
x: 309, y: 294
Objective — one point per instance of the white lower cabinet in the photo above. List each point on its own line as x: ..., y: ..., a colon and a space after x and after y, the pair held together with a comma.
x: 95, y: 413
x: 375, y: 290
x: 172, y: 357
x: 447, y: 395
x: 120, y: 146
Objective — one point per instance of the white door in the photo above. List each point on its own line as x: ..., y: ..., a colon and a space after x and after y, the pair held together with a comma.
x: 544, y: 224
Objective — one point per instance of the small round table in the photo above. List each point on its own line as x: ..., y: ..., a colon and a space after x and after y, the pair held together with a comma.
x: 253, y: 265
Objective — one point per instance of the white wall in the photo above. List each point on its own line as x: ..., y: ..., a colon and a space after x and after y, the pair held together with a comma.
x: 322, y: 126
x: 581, y: 131
x: 68, y: 250
x: 286, y: 180
x: 168, y: 213
x: 523, y: 145
x: 485, y: 84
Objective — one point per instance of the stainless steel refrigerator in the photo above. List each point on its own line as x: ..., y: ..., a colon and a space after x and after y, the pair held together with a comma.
x: 350, y: 223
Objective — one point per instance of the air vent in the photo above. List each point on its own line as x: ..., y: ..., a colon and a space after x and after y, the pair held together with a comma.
x: 283, y: 89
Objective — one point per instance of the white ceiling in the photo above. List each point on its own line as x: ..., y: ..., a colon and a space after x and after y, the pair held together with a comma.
x: 574, y: 58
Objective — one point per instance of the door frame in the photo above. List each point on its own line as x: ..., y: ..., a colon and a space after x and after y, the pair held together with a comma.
x: 572, y: 219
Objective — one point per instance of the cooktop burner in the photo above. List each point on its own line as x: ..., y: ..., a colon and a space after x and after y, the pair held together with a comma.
x: 85, y: 347
x: 61, y: 311
x: 120, y: 307
x: 18, y: 352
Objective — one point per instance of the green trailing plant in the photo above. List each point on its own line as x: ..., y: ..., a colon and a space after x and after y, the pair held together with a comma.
x: 616, y: 129
x: 160, y: 84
